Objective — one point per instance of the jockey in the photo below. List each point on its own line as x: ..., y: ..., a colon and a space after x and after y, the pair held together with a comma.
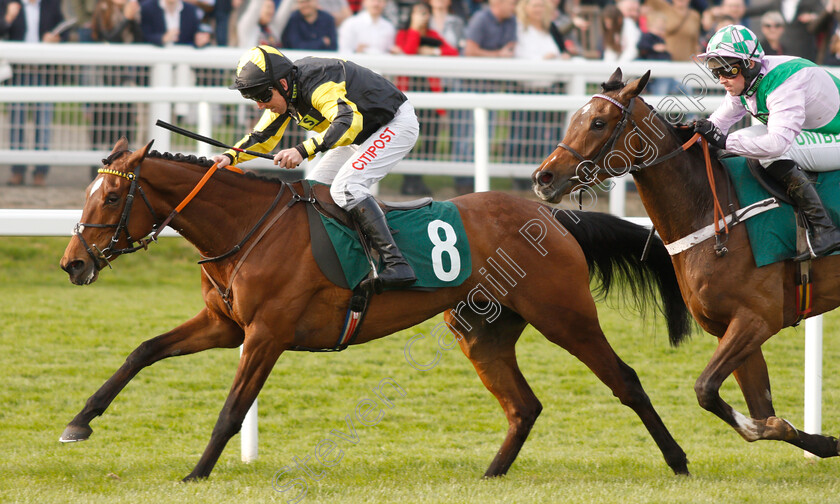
x: 788, y: 95
x: 364, y: 125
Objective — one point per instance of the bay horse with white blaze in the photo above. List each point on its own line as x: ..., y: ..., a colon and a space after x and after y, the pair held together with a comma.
x: 739, y: 303
x: 280, y: 300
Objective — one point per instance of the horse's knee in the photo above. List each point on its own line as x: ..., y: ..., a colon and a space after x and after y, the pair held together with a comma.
x: 522, y: 419
x: 228, y: 424
x: 141, y: 354
x: 707, y: 395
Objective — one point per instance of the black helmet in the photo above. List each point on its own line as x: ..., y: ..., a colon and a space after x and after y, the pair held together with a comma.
x: 260, y: 66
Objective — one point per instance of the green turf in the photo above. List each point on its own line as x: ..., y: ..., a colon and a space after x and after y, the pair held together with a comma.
x: 60, y: 342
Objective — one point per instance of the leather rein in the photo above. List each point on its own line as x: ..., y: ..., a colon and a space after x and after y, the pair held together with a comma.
x: 121, y: 228
x: 626, y: 118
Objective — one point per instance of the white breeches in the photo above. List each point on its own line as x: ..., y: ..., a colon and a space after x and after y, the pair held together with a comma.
x: 352, y: 169
x: 814, y: 152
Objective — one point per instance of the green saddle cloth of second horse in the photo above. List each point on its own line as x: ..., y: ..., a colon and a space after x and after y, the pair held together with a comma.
x: 773, y: 233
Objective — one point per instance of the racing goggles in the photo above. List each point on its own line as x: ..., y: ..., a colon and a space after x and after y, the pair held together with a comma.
x: 259, y: 95
x: 727, y: 71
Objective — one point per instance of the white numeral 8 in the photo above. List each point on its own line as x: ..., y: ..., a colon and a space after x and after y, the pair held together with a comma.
x: 446, y: 245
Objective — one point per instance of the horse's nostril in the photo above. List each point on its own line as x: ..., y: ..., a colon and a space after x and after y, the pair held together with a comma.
x: 73, y: 266
x: 545, y: 178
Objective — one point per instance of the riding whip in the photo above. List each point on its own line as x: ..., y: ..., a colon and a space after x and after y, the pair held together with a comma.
x: 208, y: 140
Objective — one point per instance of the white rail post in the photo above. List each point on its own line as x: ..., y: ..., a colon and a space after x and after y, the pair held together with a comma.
x: 205, y: 127
x: 249, y: 432
x: 618, y: 196
x: 813, y: 377
x: 161, y: 77
x: 482, y: 150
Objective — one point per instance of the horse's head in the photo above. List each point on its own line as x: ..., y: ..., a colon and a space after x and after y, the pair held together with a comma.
x: 110, y: 219
x: 598, y: 143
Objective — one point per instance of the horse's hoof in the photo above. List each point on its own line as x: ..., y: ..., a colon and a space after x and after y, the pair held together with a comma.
x: 681, y: 471
x: 75, y: 433
x: 193, y: 477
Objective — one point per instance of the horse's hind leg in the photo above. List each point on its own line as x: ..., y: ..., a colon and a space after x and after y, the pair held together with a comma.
x: 490, y: 348
x: 579, y: 332
x: 754, y: 381
x: 202, y: 332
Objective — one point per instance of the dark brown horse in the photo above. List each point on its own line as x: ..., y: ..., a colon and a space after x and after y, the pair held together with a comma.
x: 729, y: 296
x: 280, y: 299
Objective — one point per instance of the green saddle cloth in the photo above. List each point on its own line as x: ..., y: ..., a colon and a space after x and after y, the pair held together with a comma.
x: 432, y: 239
x: 773, y: 233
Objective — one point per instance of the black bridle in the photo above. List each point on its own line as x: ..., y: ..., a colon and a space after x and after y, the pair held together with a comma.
x: 619, y: 128
x: 626, y: 112
x: 120, y: 228
x: 721, y: 236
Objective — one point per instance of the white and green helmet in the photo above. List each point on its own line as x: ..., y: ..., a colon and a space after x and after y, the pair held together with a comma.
x: 734, y: 41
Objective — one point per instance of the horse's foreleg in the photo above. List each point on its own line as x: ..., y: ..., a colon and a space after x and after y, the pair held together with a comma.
x: 491, y: 349
x: 259, y: 354
x: 202, y: 332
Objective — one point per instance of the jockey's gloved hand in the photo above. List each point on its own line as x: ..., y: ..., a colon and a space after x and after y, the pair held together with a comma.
x: 710, y: 132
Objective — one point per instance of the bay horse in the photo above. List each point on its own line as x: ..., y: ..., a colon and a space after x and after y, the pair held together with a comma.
x: 280, y: 300
x: 732, y: 299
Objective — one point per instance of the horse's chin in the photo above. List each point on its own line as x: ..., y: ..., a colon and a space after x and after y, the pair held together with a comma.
x: 553, y: 192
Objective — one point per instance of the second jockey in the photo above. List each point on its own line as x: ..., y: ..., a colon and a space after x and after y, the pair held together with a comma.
x: 787, y: 95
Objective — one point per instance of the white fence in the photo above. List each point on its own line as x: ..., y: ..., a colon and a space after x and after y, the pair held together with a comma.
x: 580, y: 79
x: 162, y: 94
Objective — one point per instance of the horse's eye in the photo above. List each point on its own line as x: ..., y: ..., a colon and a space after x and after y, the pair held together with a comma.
x: 112, y: 199
x: 598, y: 124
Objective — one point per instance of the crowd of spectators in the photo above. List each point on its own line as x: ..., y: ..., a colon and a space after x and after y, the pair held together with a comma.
x: 613, y: 30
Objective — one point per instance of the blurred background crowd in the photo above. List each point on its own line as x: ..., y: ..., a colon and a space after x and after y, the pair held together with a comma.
x: 611, y: 30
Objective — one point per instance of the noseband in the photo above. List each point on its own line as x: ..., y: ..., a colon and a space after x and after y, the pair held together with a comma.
x: 121, y: 228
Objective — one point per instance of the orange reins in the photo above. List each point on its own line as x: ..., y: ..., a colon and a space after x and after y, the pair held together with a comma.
x: 718, y: 210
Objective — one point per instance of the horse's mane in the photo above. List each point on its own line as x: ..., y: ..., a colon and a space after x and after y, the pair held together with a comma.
x: 114, y: 156
x: 613, y: 85
x: 682, y: 133
x: 181, y: 158
x: 191, y: 159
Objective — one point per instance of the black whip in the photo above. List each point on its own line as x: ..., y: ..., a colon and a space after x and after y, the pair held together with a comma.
x: 208, y: 140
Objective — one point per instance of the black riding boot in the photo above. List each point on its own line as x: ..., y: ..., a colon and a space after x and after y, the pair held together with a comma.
x: 396, y: 272
x: 825, y: 237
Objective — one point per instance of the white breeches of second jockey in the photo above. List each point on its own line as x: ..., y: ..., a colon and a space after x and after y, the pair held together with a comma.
x: 352, y: 169
x: 816, y: 152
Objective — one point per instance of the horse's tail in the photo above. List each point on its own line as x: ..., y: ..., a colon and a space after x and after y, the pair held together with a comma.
x: 613, y: 249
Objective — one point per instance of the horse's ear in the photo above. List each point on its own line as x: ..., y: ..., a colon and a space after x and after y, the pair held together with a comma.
x: 137, y: 156
x: 120, y: 146
x: 613, y: 83
x: 635, y: 88
x: 148, y: 146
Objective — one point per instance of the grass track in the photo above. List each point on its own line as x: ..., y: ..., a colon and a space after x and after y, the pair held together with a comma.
x: 59, y: 343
